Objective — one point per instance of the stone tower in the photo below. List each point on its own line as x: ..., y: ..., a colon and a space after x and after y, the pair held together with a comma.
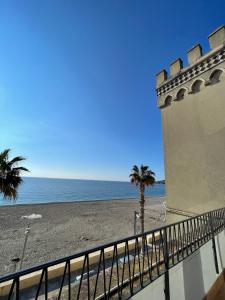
x: 192, y: 104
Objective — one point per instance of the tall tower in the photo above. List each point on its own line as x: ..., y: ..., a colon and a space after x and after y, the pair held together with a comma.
x: 192, y: 104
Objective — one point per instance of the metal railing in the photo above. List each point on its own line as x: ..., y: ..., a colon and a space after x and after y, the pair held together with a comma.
x: 119, y: 269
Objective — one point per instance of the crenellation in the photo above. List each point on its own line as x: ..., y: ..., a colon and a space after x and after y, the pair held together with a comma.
x: 217, y: 37
x: 161, y: 77
x: 207, y: 62
x: 175, y: 67
x: 198, y: 63
x: 194, y: 54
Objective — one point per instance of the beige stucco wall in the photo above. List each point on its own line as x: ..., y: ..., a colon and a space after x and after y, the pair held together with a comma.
x: 194, y: 145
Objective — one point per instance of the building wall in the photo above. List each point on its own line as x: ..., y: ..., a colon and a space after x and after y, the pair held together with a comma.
x: 192, y: 104
x: 194, y: 141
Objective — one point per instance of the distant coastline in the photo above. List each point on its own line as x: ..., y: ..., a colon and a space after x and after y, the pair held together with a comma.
x: 86, y: 179
x: 160, y: 181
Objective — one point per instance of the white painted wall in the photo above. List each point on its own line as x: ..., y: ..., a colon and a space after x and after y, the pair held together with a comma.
x: 192, y: 278
x: 220, y: 248
x: 154, y: 291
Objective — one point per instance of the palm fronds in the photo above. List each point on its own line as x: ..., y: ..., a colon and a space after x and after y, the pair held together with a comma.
x: 10, y: 174
x: 142, y: 175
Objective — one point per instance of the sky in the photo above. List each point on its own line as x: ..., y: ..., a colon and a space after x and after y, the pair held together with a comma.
x: 77, y: 80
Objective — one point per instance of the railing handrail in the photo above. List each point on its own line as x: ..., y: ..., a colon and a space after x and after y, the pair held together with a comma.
x: 163, y: 247
x: 95, y: 249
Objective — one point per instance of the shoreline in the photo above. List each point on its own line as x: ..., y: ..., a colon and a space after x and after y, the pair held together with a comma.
x: 80, y: 201
x: 66, y: 228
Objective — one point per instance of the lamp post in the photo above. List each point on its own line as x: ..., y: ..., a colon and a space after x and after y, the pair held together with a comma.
x: 27, y: 231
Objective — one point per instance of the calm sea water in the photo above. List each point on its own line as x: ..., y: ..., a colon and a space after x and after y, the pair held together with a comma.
x: 46, y: 190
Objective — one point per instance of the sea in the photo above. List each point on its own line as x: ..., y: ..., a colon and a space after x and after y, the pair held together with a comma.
x: 49, y: 190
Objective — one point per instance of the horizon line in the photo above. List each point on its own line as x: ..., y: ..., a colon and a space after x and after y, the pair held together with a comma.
x: 80, y: 179
x: 74, y: 178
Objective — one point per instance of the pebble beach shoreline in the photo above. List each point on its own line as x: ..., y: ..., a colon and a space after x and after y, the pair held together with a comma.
x: 66, y: 228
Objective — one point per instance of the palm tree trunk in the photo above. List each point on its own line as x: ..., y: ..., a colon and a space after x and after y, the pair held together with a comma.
x: 142, y: 205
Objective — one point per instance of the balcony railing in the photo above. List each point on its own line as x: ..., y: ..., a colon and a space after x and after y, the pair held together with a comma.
x: 119, y: 269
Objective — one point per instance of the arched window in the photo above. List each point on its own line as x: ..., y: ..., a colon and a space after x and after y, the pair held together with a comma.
x: 216, y: 76
x: 180, y: 94
x: 167, y: 101
x: 197, y: 86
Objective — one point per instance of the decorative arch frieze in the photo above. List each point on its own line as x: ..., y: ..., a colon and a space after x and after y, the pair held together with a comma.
x: 216, y: 75
x: 180, y: 94
x: 197, y: 85
x: 190, y: 73
x: 167, y: 101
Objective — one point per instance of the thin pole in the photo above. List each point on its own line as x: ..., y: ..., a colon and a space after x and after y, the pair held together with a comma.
x: 136, y: 216
x: 164, y: 204
x: 213, y: 242
x: 135, y: 220
x: 27, y: 231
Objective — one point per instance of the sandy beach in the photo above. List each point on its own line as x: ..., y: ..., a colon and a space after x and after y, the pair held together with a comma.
x: 66, y: 228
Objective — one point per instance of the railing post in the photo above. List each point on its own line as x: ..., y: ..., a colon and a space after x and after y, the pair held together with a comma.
x: 166, y: 260
x: 213, y: 242
x: 17, y: 288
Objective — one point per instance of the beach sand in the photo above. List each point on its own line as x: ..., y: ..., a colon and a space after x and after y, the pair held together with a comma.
x: 66, y: 228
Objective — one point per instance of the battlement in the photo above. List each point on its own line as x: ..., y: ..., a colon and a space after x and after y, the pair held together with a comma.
x: 195, y: 57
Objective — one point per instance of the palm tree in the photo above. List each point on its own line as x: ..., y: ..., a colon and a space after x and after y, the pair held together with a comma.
x: 142, y: 177
x: 10, y: 174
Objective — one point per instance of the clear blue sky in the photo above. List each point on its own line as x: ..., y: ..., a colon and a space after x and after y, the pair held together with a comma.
x: 77, y: 80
